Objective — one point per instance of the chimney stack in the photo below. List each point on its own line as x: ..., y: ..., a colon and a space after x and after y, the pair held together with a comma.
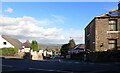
x: 119, y: 5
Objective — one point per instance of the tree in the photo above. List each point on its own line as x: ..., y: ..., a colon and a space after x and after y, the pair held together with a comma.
x: 67, y: 47
x: 34, y: 46
x: 72, y: 43
x: 57, y: 49
x: 64, y: 49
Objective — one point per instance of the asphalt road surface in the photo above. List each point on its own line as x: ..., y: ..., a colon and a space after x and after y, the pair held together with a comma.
x: 57, y: 66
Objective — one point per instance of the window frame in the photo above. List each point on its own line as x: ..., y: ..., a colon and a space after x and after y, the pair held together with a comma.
x: 115, y: 44
x: 112, y: 25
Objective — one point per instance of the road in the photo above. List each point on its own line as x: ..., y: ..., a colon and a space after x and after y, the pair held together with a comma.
x: 58, y: 66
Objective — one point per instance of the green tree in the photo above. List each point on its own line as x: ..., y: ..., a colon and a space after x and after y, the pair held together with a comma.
x: 35, y: 46
x: 46, y: 49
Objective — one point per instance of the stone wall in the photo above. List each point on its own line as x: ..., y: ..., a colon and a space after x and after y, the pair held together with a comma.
x: 90, y: 36
x: 102, y: 36
x: 20, y: 54
x: 106, y: 56
x: 101, y: 26
x: 118, y: 41
x: 97, y: 34
x: 36, y: 55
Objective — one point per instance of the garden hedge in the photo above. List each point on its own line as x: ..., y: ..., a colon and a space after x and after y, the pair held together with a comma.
x: 9, y: 51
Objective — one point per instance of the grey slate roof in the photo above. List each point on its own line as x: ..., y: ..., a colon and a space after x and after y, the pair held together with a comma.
x: 16, y: 43
x: 111, y: 13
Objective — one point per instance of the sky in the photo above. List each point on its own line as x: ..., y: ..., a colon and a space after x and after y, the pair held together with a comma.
x: 50, y: 22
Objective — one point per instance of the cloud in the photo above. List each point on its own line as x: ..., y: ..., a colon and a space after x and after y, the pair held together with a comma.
x: 10, y: 10
x: 44, y: 22
x: 25, y: 28
x: 77, y: 35
x: 0, y: 11
x: 28, y: 28
x: 57, y: 18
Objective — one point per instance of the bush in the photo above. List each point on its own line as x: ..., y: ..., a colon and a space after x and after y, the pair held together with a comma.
x: 9, y: 51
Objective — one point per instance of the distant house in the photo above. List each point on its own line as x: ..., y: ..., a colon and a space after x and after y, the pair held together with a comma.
x: 47, y: 53
x: 41, y: 50
x: 26, y: 46
x: 50, y: 53
x: 7, y: 41
x: 44, y: 53
x: 78, y: 48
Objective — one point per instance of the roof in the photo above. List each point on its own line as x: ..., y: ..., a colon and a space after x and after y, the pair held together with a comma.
x: 111, y: 13
x: 27, y: 44
x: 82, y: 46
x: 16, y: 43
x: 79, y: 46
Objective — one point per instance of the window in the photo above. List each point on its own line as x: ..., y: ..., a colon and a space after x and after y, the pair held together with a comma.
x: 112, y: 44
x: 4, y: 43
x: 112, y: 25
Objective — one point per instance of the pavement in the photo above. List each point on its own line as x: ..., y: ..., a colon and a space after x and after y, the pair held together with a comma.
x: 15, y: 65
x: 10, y: 57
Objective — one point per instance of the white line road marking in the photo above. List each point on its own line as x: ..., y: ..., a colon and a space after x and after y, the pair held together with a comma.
x: 7, y: 66
x: 50, y: 70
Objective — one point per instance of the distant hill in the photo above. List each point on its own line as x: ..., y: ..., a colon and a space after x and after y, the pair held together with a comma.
x: 50, y: 46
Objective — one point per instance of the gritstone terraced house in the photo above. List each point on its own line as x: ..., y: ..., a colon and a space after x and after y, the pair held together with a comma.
x: 103, y: 32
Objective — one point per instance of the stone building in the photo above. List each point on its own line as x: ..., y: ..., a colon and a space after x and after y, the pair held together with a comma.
x: 103, y: 32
